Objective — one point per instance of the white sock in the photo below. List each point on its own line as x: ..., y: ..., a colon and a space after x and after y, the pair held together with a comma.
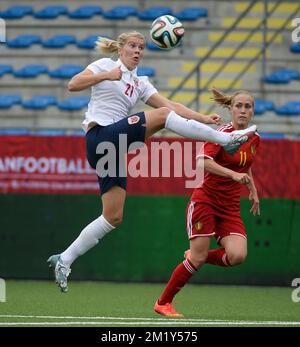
x: 88, y: 238
x: 194, y: 129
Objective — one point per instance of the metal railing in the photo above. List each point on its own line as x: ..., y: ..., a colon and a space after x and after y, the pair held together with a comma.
x: 196, y: 69
x: 266, y: 43
x: 256, y: 57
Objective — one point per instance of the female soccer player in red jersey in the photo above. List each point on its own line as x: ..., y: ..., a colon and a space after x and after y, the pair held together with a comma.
x: 214, y: 208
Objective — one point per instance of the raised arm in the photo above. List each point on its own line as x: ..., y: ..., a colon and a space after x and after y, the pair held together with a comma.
x: 87, y: 78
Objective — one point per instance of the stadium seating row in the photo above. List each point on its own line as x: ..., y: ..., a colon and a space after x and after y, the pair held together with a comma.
x: 67, y: 71
x: 117, y: 12
x: 63, y: 71
x: 282, y: 76
x: 59, y: 41
x: 80, y: 132
x: 39, y: 102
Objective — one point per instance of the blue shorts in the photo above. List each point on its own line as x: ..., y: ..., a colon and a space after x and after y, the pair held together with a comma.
x: 133, y: 129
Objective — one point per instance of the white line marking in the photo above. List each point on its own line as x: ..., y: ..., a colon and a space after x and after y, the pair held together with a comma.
x: 107, y: 318
x: 166, y: 322
x: 137, y: 321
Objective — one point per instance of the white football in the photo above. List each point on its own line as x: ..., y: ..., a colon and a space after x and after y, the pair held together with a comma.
x: 166, y: 32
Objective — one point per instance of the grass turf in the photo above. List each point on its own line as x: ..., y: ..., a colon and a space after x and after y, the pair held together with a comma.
x: 132, y: 303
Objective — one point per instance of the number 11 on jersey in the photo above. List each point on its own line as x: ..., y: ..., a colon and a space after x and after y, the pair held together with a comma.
x: 243, y: 158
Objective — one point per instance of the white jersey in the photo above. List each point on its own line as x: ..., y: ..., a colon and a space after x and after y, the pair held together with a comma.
x: 111, y: 101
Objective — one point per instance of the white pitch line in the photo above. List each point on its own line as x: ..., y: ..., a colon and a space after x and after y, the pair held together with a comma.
x: 107, y: 318
x: 138, y: 320
x: 166, y: 322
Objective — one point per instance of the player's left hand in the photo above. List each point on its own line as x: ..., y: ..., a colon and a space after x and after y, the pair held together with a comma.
x: 213, y: 119
x: 255, y: 208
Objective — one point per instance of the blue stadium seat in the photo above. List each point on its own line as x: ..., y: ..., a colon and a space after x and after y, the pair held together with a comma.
x: 152, y: 13
x: 291, y: 73
x: 8, y: 100
x: 261, y: 106
x: 50, y: 12
x: 32, y: 70
x: 282, y: 76
x: 146, y: 71
x: 59, y: 41
x: 192, y: 13
x: 295, y: 48
x: 5, y: 68
x: 114, y: 15
x: 74, y: 103
x: 271, y: 136
x: 129, y: 10
x: 120, y: 12
x: 66, y: 71
x: 39, y: 102
x: 290, y: 108
x: 88, y: 42
x: 85, y: 12
x: 153, y: 47
x: 277, y: 78
x: 16, y: 12
x: 23, y: 41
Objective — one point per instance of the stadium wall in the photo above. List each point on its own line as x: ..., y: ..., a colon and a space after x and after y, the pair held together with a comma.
x: 152, y: 238
x: 148, y: 245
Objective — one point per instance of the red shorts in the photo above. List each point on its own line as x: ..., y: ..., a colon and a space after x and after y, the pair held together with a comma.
x: 203, y: 219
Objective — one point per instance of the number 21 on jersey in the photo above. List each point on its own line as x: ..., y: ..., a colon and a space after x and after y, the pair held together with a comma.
x: 129, y: 89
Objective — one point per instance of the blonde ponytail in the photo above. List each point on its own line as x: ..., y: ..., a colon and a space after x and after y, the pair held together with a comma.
x: 108, y: 46
x: 226, y: 100
x: 221, y: 98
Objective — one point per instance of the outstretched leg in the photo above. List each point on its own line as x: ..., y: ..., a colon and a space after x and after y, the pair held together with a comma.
x: 165, y: 118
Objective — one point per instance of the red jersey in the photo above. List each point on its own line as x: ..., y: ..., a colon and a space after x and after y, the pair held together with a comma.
x: 223, y: 192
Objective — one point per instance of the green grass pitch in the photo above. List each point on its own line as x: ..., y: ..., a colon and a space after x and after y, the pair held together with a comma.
x: 39, y: 303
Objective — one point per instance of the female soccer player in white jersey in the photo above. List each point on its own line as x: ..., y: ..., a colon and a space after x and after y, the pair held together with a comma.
x: 116, y: 89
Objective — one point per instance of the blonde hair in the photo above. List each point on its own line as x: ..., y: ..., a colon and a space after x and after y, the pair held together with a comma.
x: 226, y: 100
x: 107, y: 46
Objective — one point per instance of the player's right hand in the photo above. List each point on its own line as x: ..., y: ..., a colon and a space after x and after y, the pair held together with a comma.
x: 242, y: 178
x: 115, y: 74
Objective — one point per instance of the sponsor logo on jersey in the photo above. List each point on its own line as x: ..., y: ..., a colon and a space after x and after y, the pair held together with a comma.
x: 198, y: 225
x: 133, y: 120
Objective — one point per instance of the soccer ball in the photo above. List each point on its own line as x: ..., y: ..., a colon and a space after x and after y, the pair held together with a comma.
x: 166, y: 32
